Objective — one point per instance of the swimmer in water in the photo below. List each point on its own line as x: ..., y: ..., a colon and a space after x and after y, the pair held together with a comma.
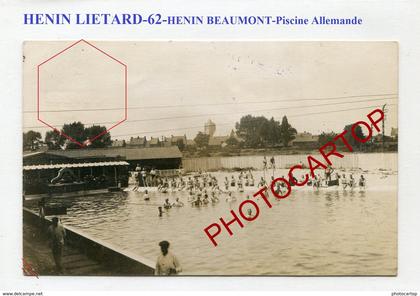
x: 264, y: 163
x: 351, y: 181
x: 230, y: 197
x: 160, y: 211
x: 191, y: 196
x: 232, y: 181
x: 206, y: 199
x: 362, y: 181
x: 240, y: 186
x: 344, y: 181
x: 214, y: 198
x: 251, y: 181
x: 178, y: 203
x: 226, y: 183
x: 167, y: 204
x: 249, y: 213
x: 146, y: 195
x: 197, y: 202
x: 262, y: 182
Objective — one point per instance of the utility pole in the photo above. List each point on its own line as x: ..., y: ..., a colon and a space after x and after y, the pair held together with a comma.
x: 383, y: 128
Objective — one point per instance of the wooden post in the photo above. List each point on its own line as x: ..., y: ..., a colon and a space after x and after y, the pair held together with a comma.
x: 115, y: 176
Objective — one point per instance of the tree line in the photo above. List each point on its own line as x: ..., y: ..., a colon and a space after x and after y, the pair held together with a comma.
x: 253, y: 132
x: 76, y: 130
x: 256, y: 132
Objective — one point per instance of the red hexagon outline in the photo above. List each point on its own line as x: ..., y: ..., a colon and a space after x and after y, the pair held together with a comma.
x: 125, y: 93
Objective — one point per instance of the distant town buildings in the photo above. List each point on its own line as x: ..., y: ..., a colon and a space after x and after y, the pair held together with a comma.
x: 139, y: 142
x: 218, y: 141
x: 154, y: 142
x: 305, y: 140
x: 394, y: 133
x: 209, y: 128
x: 118, y: 143
x: 179, y: 140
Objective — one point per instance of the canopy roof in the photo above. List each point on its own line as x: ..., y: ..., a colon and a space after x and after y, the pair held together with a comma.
x: 73, y: 165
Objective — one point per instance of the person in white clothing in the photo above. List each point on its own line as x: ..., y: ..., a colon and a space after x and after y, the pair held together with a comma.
x: 167, y: 263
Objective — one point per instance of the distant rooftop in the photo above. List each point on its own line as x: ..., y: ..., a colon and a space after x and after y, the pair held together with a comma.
x: 127, y: 153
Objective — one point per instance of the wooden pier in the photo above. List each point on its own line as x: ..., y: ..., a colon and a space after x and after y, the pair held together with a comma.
x: 83, y: 254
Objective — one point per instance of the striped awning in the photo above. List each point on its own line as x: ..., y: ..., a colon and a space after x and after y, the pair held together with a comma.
x: 74, y: 165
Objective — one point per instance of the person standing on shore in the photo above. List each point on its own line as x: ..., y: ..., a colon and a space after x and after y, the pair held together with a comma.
x: 272, y: 164
x: 57, y: 235
x: 41, y: 208
x: 264, y: 164
x: 167, y: 263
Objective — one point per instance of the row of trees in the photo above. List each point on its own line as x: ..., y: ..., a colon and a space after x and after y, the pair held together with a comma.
x: 76, y: 130
x: 329, y: 137
x: 255, y: 131
x: 258, y: 131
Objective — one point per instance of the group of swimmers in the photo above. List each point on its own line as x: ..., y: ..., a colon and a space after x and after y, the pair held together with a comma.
x: 327, y: 180
x: 204, y: 189
x: 203, y: 181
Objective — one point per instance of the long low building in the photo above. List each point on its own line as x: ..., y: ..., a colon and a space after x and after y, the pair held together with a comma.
x: 86, y: 171
x: 157, y: 157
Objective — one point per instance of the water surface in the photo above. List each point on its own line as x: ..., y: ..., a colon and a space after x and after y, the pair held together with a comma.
x: 309, y: 233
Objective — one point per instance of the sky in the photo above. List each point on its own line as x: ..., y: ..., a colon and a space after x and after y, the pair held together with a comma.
x: 175, y: 87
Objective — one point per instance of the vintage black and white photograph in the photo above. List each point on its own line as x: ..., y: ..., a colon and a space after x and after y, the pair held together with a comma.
x: 210, y: 158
